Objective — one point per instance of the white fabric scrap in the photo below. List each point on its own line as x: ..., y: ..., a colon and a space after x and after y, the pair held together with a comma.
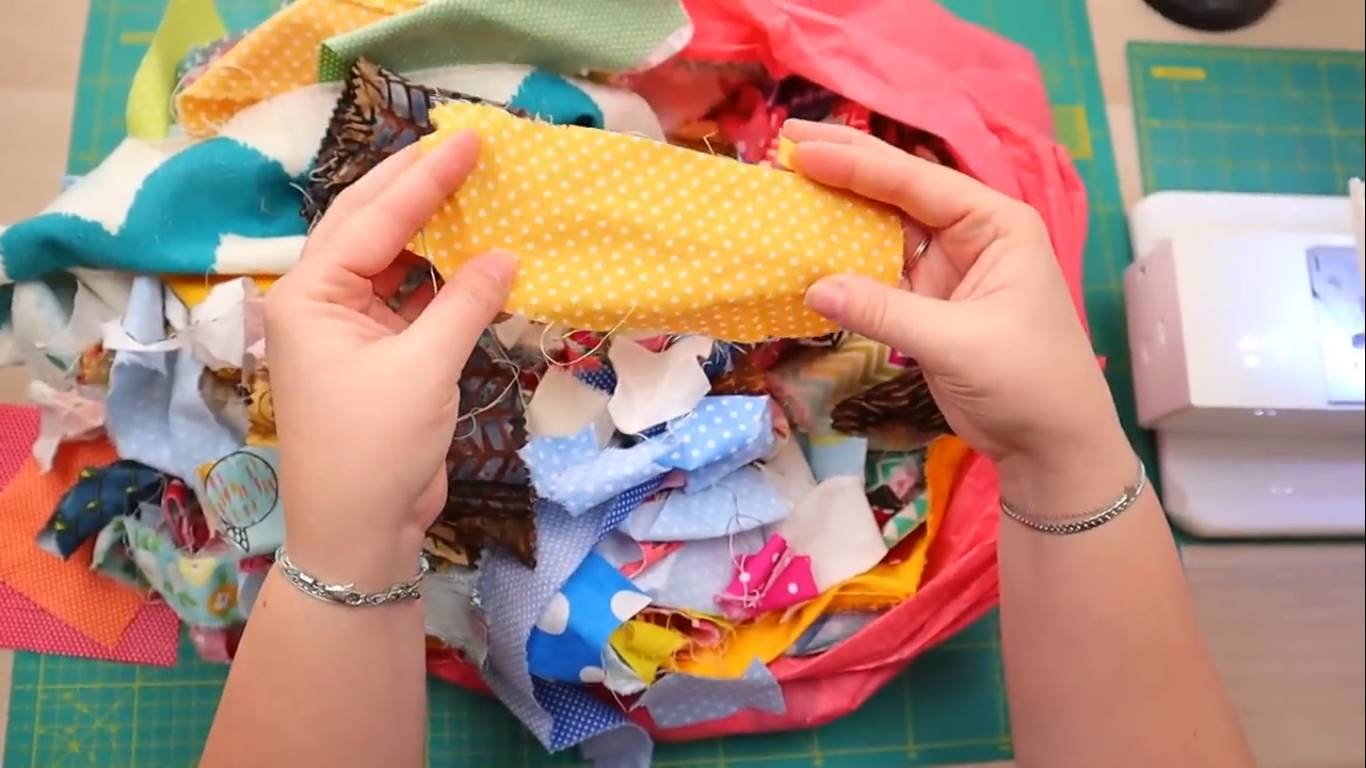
x: 518, y: 331
x: 618, y: 676
x: 835, y: 526
x: 563, y: 405
x: 42, y: 330
x: 220, y: 331
x: 100, y: 297
x: 654, y: 387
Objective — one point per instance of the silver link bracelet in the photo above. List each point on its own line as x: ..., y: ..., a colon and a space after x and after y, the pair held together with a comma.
x: 346, y: 594
x: 1085, y: 522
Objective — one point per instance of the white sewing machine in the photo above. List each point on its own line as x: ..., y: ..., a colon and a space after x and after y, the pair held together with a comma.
x: 1245, y: 317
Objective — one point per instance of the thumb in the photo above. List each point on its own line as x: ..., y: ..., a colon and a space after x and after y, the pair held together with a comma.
x: 449, y: 327
x: 912, y: 324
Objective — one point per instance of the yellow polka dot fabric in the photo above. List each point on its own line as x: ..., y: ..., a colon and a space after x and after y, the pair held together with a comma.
x: 278, y: 56
x: 618, y: 231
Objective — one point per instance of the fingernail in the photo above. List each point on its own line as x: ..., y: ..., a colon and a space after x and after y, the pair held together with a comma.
x: 502, y: 265
x: 826, y: 297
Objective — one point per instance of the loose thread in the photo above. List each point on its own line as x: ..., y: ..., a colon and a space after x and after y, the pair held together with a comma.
x: 750, y: 597
x: 427, y: 257
x: 502, y: 358
x: 308, y: 198
x: 474, y: 413
x: 616, y: 696
x: 706, y: 141
x: 601, y: 342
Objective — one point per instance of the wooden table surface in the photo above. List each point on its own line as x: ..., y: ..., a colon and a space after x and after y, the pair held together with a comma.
x: 1287, y: 623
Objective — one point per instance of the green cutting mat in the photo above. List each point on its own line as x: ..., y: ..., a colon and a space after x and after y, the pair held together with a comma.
x: 1248, y: 119
x: 949, y: 706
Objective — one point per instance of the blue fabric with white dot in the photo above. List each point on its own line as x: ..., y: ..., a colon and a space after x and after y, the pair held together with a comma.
x: 719, y: 436
x: 571, y: 634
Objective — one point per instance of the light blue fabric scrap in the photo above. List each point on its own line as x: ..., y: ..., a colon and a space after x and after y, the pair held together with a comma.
x: 154, y: 411
x: 618, y: 549
x: 741, y: 501
x: 829, y: 630
x: 836, y: 456
x: 754, y: 417
x: 722, y: 434
x: 678, y: 700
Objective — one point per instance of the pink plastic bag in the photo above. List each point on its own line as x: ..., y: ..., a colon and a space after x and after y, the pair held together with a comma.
x: 918, y: 64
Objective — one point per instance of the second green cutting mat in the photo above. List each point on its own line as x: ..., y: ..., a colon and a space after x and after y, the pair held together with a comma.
x: 1218, y: 118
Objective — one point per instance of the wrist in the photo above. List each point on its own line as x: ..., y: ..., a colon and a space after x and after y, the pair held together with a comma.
x: 1069, y: 479
x: 372, y: 560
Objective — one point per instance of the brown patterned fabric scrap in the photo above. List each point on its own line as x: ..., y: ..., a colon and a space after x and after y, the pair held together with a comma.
x: 489, y: 499
x: 378, y: 114
x: 903, y: 404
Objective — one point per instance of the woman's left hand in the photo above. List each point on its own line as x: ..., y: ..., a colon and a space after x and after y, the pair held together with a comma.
x: 366, y: 399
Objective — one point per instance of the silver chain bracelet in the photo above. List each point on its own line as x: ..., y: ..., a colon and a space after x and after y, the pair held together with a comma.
x: 1085, y: 522
x: 346, y: 594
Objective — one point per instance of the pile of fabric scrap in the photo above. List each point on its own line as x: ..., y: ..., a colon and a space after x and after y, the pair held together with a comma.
x: 668, y: 476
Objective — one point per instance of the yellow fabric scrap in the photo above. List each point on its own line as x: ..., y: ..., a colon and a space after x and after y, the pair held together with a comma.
x: 193, y: 289
x: 261, y: 411
x: 646, y: 647
x: 278, y: 56
x: 887, y: 584
x: 618, y: 231
x: 185, y: 25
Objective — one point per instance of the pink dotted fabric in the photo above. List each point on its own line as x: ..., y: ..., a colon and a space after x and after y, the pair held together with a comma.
x: 18, y: 430
x: 150, y: 638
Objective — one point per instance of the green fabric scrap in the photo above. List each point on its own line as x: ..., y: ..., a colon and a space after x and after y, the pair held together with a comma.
x: 572, y: 37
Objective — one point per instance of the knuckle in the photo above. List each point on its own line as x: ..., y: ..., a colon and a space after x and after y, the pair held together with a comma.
x: 874, y: 313
x: 475, y: 291
x: 471, y: 300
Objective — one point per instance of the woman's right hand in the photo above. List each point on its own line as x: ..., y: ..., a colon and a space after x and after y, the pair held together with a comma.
x: 988, y: 316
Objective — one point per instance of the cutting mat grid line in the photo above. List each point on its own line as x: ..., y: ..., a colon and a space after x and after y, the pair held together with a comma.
x: 949, y: 707
x: 1248, y: 119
